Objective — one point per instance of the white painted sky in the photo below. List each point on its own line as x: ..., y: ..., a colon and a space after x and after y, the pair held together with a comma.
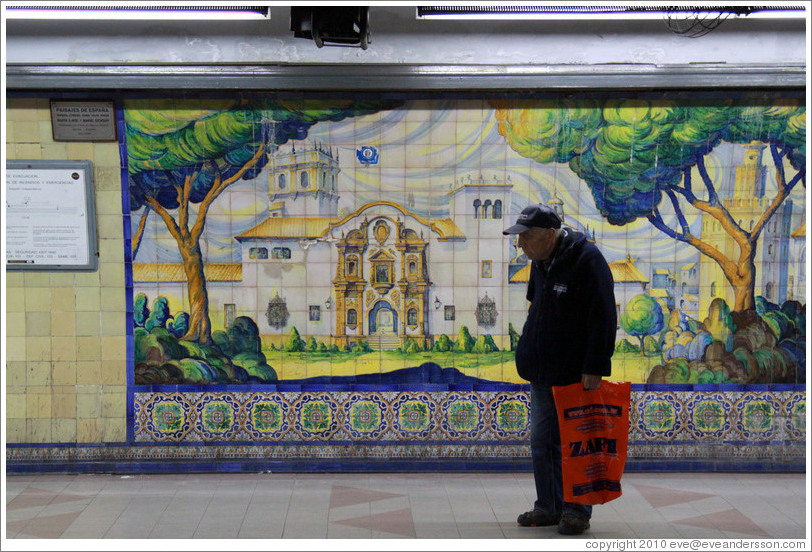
x: 423, y: 148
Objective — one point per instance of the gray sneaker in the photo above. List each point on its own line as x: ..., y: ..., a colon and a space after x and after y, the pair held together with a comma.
x: 538, y: 518
x: 571, y: 524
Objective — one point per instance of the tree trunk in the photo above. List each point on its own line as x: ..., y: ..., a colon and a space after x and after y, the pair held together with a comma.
x: 743, y: 279
x: 199, y: 323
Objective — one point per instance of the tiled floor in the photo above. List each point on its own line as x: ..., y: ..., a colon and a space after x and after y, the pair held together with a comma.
x: 390, y: 506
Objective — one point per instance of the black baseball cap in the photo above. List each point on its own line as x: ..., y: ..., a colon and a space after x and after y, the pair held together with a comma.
x: 539, y: 216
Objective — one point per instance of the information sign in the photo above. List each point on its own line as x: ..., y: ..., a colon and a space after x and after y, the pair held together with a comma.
x: 50, y: 216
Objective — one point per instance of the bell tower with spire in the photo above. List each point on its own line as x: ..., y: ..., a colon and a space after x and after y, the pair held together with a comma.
x: 302, y: 181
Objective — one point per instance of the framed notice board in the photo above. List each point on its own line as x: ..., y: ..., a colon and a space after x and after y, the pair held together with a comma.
x: 50, y: 216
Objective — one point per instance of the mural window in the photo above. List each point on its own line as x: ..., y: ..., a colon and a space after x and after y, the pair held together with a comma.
x: 324, y: 181
x: 258, y: 253
x: 449, y: 312
x: 281, y: 181
x: 382, y: 274
x: 281, y: 253
x: 315, y: 313
x: 486, y: 269
x: 486, y: 207
x: 768, y: 290
x: 352, y: 267
x: 770, y: 249
x: 477, y: 205
x: 352, y: 317
x: 229, y: 314
x: 412, y: 266
x: 277, y: 313
x: 303, y: 180
x: 713, y: 289
x: 497, y: 209
x: 411, y: 317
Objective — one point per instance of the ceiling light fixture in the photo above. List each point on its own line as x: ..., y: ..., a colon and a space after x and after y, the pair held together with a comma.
x: 622, y: 12
x: 134, y: 11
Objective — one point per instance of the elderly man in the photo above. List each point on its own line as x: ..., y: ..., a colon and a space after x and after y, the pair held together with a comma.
x: 569, y: 336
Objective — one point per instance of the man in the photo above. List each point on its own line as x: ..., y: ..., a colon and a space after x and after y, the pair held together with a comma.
x: 569, y: 337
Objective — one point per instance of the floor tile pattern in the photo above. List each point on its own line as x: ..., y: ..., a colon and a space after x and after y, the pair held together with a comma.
x: 390, y: 506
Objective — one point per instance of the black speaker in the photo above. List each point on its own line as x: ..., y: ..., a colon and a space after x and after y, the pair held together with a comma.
x: 342, y: 25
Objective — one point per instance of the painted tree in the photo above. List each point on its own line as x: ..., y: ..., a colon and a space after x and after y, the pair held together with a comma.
x: 642, y: 316
x: 181, y: 158
x: 631, y: 153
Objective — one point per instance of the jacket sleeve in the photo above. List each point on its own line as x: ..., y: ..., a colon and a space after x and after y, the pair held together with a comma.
x: 601, y: 317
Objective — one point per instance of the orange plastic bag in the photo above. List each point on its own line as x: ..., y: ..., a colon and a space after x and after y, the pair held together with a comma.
x: 594, y: 439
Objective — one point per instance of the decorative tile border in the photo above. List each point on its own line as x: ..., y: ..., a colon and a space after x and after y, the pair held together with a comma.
x: 224, y: 430
x: 315, y: 417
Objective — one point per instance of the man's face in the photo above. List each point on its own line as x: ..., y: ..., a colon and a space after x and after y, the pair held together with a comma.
x: 537, y: 243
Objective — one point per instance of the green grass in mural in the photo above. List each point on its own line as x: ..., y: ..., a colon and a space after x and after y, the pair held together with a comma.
x: 496, y: 366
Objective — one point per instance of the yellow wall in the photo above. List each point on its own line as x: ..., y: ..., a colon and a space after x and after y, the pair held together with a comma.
x: 66, y: 331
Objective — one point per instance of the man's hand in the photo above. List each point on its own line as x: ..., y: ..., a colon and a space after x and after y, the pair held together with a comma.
x: 591, y: 381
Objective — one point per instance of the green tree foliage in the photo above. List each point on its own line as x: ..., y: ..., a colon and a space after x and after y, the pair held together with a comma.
x: 650, y: 345
x: 179, y: 325
x: 719, y: 322
x: 484, y: 344
x: 410, y: 346
x: 443, y: 344
x: 465, y: 343
x: 633, y: 153
x: 361, y: 346
x: 514, y: 336
x: 140, y: 310
x: 312, y: 346
x: 159, y: 315
x: 642, y: 316
x: 294, y: 343
x: 625, y: 346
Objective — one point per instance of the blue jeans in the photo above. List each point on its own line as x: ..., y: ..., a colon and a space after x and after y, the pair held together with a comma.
x: 545, y: 448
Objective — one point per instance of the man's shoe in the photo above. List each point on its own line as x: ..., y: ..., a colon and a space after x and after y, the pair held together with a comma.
x: 538, y: 518
x: 572, y: 525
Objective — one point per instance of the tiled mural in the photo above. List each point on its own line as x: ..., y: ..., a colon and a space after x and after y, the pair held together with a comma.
x: 277, y: 241
x: 337, y: 269
x: 326, y: 283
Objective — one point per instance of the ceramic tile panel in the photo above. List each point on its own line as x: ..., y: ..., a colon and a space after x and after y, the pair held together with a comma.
x: 342, y: 277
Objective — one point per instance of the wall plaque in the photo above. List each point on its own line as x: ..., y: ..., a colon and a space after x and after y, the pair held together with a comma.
x: 74, y: 121
x: 50, y: 216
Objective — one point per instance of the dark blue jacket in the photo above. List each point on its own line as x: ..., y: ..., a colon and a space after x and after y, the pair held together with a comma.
x: 572, y: 321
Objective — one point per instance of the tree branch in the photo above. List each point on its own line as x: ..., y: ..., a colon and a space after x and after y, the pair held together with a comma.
x: 680, y: 216
x: 784, y: 190
x: 139, y: 234
x: 171, y: 225
x: 718, y: 211
x: 217, y: 189
x: 778, y: 161
x: 657, y: 221
x: 713, y: 197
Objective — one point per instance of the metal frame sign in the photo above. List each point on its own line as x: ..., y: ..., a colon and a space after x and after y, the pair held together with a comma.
x: 83, y: 121
x: 50, y: 216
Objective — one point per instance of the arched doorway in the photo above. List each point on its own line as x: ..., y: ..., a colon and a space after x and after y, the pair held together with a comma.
x: 383, y: 319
